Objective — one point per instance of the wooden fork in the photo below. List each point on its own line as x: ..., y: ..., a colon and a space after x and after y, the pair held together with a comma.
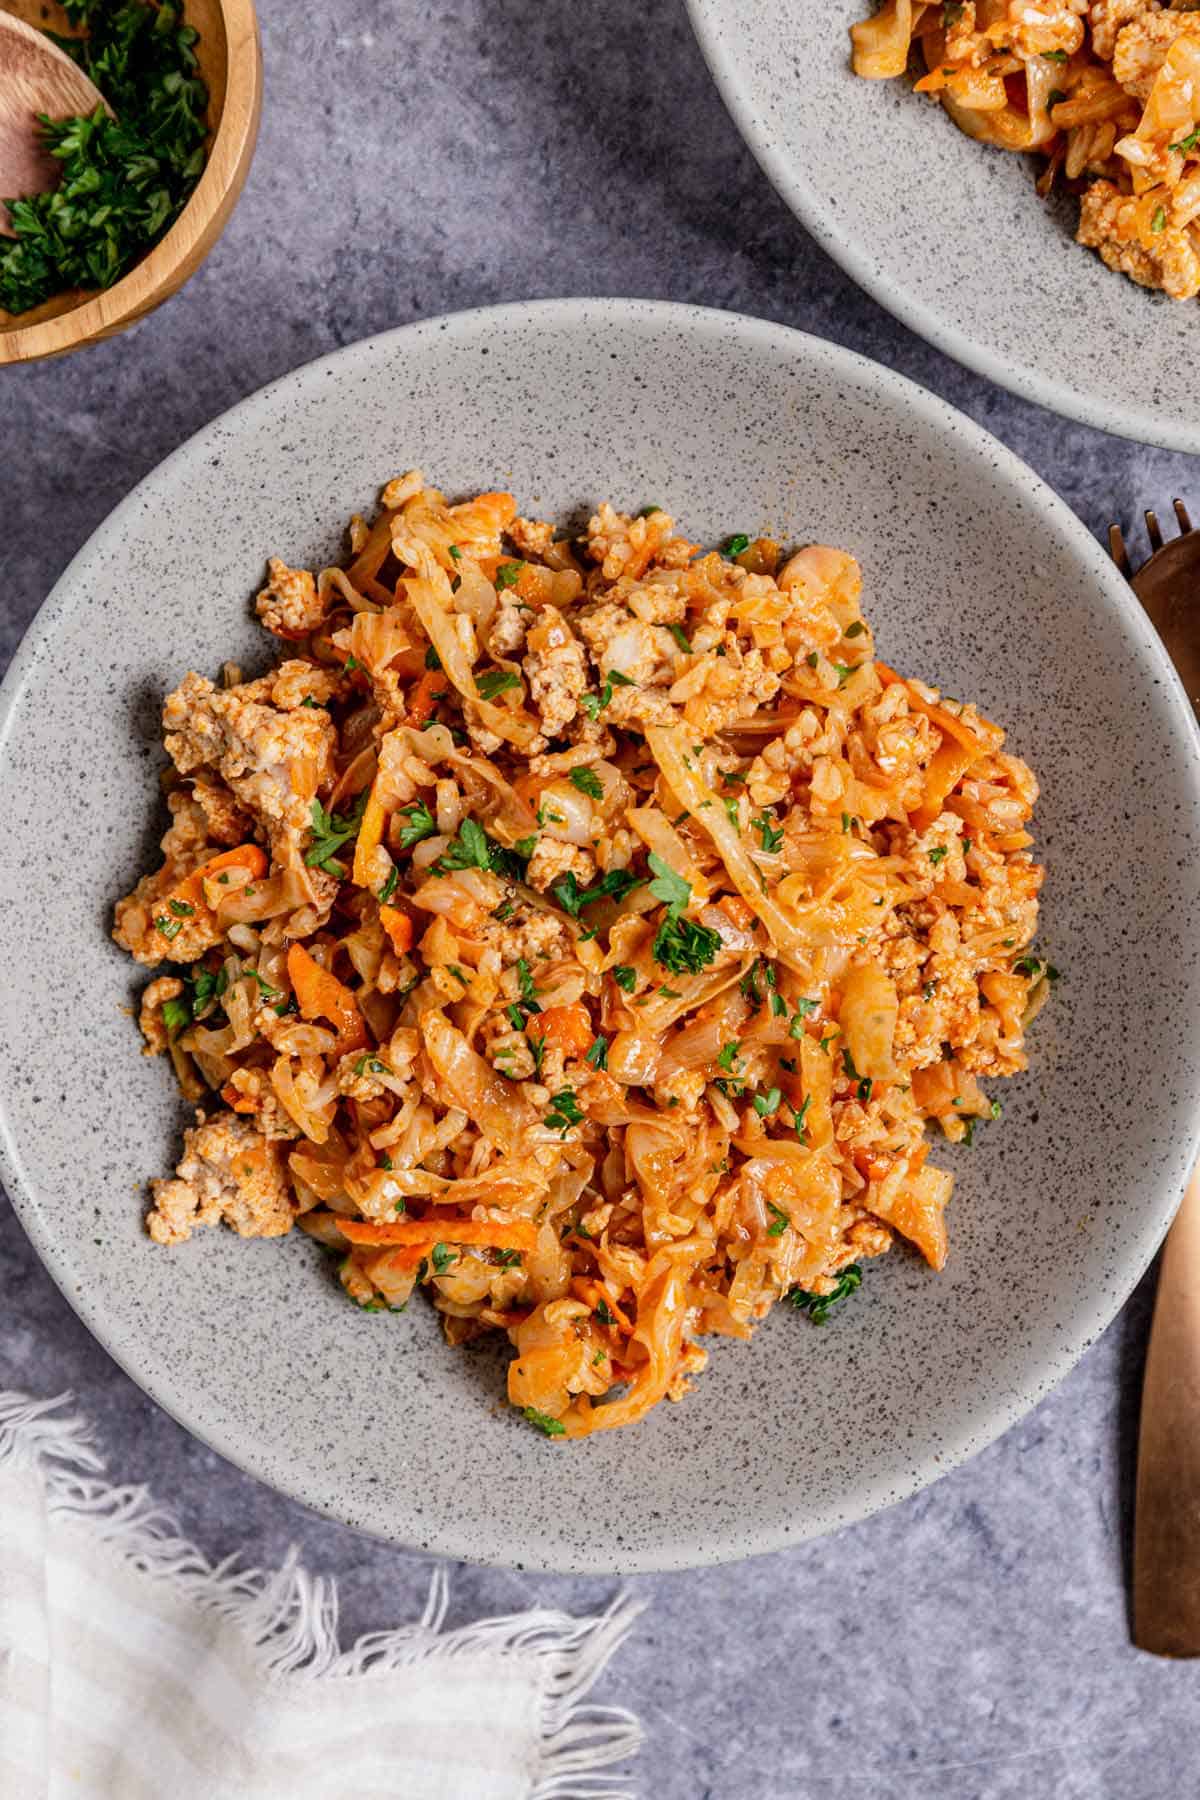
x: 1166, y: 1551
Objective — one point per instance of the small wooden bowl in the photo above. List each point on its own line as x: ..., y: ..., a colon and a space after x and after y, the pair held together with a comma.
x: 230, y: 62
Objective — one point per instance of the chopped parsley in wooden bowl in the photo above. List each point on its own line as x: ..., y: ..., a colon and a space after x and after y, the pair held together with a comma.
x: 145, y: 193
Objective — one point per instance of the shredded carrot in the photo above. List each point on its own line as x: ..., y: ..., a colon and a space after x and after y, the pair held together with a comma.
x: 737, y: 912
x: 190, y: 891
x: 422, y: 700
x: 399, y: 928
x: 321, y: 995
x: 517, y: 1234
x: 565, y: 1028
x: 593, y: 1292
x: 370, y: 836
x: 241, y: 1103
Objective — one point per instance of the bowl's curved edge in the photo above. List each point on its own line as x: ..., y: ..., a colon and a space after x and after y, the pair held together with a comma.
x: 803, y: 199
x: 1085, y: 1329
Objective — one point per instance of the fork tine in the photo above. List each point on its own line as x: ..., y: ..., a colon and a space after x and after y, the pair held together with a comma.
x: 1181, y: 513
x: 1153, y: 531
x: 1118, y: 552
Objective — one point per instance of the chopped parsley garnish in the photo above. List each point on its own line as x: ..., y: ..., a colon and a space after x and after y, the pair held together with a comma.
x: 432, y: 660
x: 421, y: 824
x: 939, y: 855
x: 1055, y: 56
x: 779, y: 1220
x: 588, y: 782
x: 614, y: 884
x: 735, y: 545
x: 441, y: 1257
x: 454, y: 551
x: 1190, y: 142
x: 765, y: 1104
x: 847, y: 822
x: 818, y: 1306
x: 329, y: 832
x: 604, y: 1312
x: 812, y: 659
x: 731, y: 812
x: 771, y: 837
x: 124, y: 178
x: 667, y: 886
x: 625, y: 977
x: 351, y: 663
x: 684, y: 947
x: 564, y: 1111
x: 508, y: 1259
x: 598, y: 1054
x: 508, y: 575
x: 181, y: 909
x: 545, y: 1424
x: 385, y: 1162
x: 1036, y: 969
x: 1159, y: 221
x: 469, y: 850
x: 799, y: 1114
x: 729, y: 1059
x: 176, y: 1013
x: 594, y: 704
x: 496, y: 681
x: 528, y: 990
x: 865, y: 1083
x: 681, y: 638
x: 170, y: 928
x: 803, y: 1009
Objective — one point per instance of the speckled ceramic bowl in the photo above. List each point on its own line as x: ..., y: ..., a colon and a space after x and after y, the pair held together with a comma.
x: 947, y: 233
x: 975, y: 575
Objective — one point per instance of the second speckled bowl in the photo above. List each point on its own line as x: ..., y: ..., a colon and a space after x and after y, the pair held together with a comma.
x: 947, y: 233
x: 976, y: 577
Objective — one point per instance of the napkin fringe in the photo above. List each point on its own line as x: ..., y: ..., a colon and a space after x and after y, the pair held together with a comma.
x: 289, y: 1617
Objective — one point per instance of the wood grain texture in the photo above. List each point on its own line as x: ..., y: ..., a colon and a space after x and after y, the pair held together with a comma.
x: 1166, y: 1560
x: 35, y: 77
x: 231, y: 63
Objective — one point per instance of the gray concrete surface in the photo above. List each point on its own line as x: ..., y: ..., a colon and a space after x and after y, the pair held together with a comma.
x: 973, y: 1643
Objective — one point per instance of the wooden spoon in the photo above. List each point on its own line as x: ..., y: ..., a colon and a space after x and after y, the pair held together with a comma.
x: 1166, y: 1548
x: 35, y: 77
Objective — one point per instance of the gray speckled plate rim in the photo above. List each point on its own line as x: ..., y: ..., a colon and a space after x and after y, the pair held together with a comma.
x: 803, y: 198
x: 1085, y: 1324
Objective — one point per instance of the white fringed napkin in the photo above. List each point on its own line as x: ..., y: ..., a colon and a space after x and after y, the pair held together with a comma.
x: 131, y: 1668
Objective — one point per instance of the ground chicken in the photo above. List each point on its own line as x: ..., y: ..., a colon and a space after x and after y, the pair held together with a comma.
x: 229, y: 1171
x: 273, y: 761
x: 289, y: 605
x: 643, y: 654
x: 1107, y: 224
x: 536, y: 937
x: 533, y: 537
x: 256, y: 1098
x: 556, y: 670
x: 1107, y: 18
x: 185, y: 847
x: 1047, y: 27
x: 227, y: 822
x: 506, y: 635
x: 154, y: 1030
x: 551, y: 860
x: 1141, y: 47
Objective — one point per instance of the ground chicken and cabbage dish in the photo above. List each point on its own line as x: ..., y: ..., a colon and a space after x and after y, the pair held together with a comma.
x: 1107, y: 91
x: 583, y: 928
